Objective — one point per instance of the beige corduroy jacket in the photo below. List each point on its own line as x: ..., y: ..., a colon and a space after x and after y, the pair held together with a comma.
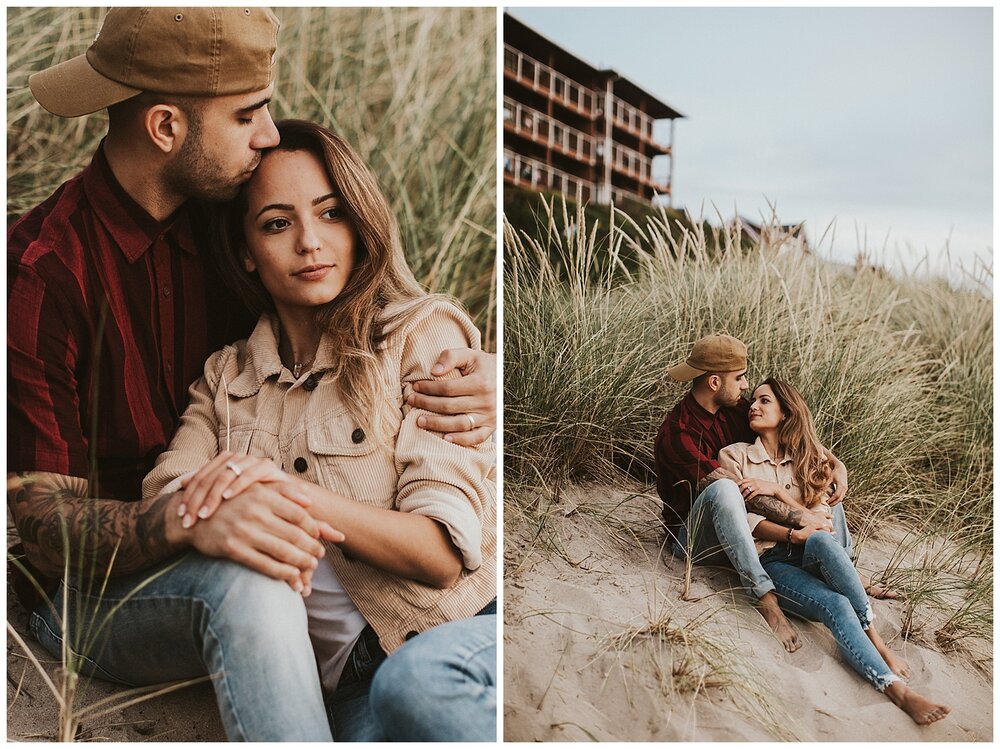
x: 303, y: 426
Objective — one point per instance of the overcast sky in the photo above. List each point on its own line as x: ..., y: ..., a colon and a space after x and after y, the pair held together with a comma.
x: 880, y: 119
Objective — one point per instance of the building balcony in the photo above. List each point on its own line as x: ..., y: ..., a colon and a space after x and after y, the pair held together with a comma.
x: 541, y: 78
x: 549, y: 132
x: 534, y: 175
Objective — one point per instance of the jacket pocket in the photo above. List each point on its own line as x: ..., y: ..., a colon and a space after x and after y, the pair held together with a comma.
x: 349, y: 461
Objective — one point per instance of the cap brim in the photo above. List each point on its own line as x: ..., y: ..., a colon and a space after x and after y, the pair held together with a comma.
x: 684, y: 372
x: 73, y: 89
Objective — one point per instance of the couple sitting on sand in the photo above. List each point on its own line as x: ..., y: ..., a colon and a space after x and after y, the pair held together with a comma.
x: 313, y: 537
x: 748, y: 484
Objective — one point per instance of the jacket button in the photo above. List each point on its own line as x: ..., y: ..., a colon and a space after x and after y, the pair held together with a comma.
x: 410, y: 635
x: 300, y: 465
x: 788, y: 486
x: 311, y: 382
x: 358, y: 435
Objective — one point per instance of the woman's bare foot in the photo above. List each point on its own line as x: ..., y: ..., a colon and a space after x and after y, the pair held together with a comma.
x: 881, y: 592
x: 920, y: 709
x: 775, y: 618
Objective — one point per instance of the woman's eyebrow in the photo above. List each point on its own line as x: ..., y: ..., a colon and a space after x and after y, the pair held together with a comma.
x: 324, y: 198
x: 275, y: 207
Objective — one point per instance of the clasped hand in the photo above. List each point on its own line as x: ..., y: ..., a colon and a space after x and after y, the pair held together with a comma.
x: 264, y: 523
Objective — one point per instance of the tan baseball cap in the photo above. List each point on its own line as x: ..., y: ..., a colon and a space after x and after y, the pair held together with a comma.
x: 181, y: 51
x: 714, y: 353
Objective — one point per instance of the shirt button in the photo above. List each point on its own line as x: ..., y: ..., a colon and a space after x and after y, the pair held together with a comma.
x: 170, y: 367
x: 410, y: 635
x: 358, y: 435
x: 166, y: 291
x: 788, y: 486
x: 300, y: 465
x: 311, y: 382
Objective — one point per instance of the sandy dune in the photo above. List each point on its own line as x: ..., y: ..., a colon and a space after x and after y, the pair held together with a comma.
x: 593, y: 571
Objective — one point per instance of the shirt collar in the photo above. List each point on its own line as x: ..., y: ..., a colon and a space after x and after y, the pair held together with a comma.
x: 757, y: 454
x: 698, y: 412
x: 128, y: 223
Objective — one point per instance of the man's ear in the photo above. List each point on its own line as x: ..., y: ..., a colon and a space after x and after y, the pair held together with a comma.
x: 166, y: 126
x: 714, y: 382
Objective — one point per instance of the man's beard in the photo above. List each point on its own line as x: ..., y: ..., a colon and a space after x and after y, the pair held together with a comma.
x: 195, y: 174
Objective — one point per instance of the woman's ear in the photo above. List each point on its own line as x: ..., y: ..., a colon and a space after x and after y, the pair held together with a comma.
x: 249, y: 264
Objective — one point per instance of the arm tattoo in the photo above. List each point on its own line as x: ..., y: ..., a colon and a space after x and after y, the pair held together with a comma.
x: 776, y: 511
x: 57, y: 520
x: 715, y: 475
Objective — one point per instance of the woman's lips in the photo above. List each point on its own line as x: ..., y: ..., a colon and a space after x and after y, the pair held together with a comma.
x: 313, y: 272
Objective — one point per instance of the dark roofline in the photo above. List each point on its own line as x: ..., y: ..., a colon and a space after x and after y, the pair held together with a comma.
x: 628, y: 91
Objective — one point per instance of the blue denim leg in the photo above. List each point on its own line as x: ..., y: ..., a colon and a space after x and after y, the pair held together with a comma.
x: 721, y: 535
x: 441, y: 685
x: 192, y: 616
x: 824, y: 557
x: 840, y: 531
x: 806, y: 595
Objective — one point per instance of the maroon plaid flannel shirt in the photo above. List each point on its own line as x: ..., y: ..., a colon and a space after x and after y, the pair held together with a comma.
x: 110, y: 317
x: 687, y: 449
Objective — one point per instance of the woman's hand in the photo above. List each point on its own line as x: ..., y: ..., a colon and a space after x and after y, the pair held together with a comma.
x: 223, y: 477
x: 801, y: 535
x: 751, y: 488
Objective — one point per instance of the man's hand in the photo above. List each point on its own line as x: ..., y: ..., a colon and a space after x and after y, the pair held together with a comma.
x: 465, y: 409
x: 839, y: 486
x: 784, y: 514
x: 266, y: 530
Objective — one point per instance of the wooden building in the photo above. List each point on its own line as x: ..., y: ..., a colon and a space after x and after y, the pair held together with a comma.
x: 571, y: 128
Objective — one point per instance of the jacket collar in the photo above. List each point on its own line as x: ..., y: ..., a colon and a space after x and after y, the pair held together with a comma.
x: 757, y: 454
x: 262, y: 360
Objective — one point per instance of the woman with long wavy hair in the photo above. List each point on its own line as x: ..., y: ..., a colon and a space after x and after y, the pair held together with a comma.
x: 402, y: 610
x: 812, y: 573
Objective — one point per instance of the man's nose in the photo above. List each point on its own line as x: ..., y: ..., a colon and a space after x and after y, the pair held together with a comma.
x: 266, y: 135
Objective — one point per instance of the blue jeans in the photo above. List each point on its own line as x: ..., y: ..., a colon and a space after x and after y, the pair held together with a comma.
x: 196, y: 616
x: 718, y: 534
x: 817, y: 581
x: 439, y: 686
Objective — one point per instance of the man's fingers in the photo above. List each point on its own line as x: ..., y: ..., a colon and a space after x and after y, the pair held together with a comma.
x: 269, y: 566
x: 463, y: 422
x: 447, y: 405
x: 462, y: 359
x: 472, y: 438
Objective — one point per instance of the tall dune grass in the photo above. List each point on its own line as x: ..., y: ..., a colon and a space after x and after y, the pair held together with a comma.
x: 413, y: 89
x: 898, y: 372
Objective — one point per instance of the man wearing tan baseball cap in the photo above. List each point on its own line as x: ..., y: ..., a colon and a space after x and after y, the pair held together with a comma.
x: 704, y: 509
x: 113, y: 310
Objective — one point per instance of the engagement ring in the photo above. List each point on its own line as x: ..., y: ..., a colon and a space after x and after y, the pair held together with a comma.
x: 234, y: 468
x: 472, y: 422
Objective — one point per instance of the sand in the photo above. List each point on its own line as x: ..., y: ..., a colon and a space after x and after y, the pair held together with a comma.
x: 594, y: 570
x: 32, y: 713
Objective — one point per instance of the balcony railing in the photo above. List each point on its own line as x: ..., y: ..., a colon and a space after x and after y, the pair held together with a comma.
x: 525, y: 172
x: 544, y: 129
x: 540, y: 76
x: 631, y: 119
x: 631, y: 162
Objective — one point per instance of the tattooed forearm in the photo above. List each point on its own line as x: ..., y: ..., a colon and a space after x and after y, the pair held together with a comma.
x: 715, y: 475
x: 57, y: 520
x: 776, y: 511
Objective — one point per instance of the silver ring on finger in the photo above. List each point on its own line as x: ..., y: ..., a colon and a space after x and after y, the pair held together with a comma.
x: 234, y: 468
x: 472, y: 421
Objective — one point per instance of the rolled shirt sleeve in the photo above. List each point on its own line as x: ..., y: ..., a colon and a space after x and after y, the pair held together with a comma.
x: 732, y: 460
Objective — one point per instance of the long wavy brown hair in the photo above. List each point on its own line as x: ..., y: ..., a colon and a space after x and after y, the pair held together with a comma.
x: 357, y: 317
x: 797, y: 436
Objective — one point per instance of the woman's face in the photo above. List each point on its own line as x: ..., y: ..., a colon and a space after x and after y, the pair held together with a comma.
x: 765, y: 411
x: 298, y: 238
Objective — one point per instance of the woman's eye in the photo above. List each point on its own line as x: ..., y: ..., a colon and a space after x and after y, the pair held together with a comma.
x: 275, y: 224
x: 333, y: 213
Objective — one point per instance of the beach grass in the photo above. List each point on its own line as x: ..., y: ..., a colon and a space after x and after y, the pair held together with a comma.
x: 897, y: 371
x: 412, y: 89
